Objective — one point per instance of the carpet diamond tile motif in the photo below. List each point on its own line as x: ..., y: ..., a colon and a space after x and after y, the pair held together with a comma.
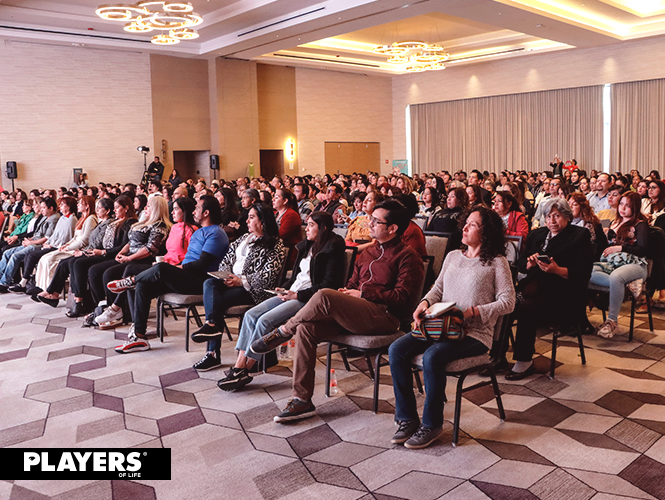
x: 593, y: 432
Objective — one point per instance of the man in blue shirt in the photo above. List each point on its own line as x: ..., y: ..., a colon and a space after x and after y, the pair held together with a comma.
x: 204, y: 253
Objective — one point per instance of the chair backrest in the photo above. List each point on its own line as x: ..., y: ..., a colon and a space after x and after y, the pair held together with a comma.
x: 428, y: 262
x: 341, y: 229
x: 421, y: 221
x: 4, y: 226
x: 281, y: 278
x: 436, y: 247
x: 349, y: 260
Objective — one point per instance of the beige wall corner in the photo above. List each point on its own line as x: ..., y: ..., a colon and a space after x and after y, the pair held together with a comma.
x: 73, y: 107
x: 341, y: 107
x: 277, y: 110
x: 180, y: 108
x: 236, y: 116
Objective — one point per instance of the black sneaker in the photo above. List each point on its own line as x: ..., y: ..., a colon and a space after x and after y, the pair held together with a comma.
x: 209, y: 362
x: 295, y: 410
x: 423, y: 437
x: 270, y: 342
x: 407, y: 428
x: 4, y: 289
x: 17, y: 289
x: 205, y: 333
x: 237, y: 379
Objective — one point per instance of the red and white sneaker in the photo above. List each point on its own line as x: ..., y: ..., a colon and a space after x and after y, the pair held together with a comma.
x: 133, y: 344
x: 121, y: 285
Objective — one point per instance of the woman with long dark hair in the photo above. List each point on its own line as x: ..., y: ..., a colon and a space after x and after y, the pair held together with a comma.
x: 320, y: 258
x: 508, y: 209
x: 478, y: 280
x: 254, y: 262
x: 624, y: 260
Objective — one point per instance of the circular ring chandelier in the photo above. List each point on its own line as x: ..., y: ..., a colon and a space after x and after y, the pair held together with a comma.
x: 424, y: 56
x: 177, y: 18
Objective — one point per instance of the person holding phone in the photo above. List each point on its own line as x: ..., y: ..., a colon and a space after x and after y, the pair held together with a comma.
x: 255, y: 261
x: 557, y: 261
x: 320, y: 258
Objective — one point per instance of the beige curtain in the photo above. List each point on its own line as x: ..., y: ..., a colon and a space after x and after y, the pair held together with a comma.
x: 514, y: 132
x: 638, y: 126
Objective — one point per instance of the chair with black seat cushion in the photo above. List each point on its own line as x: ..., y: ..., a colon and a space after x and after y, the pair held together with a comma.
x: 461, y: 368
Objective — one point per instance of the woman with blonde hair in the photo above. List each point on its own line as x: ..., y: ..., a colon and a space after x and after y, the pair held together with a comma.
x: 145, y: 242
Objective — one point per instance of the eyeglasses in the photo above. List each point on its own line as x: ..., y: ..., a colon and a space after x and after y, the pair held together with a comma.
x: 373, y: 221
x: 653, y: 187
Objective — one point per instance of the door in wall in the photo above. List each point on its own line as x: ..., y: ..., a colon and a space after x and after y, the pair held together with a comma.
x: 349, y: 157
x: 272, y: 163
x: 191, y: 165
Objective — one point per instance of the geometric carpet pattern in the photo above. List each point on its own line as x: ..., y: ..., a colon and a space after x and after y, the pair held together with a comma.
x: 595, y: 431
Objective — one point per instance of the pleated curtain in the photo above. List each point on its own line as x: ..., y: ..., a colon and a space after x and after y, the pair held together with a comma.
x: 514, y: 132
x: 638, y: 126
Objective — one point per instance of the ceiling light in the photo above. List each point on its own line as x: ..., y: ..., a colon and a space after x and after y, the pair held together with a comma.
x: 176, y: 17
x: 389, y: 50
x: 164, y: 40
x: 427, y: 57
x: 411, y: 45
x: 415, y: 69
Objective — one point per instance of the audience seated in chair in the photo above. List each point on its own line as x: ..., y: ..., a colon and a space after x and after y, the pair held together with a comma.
x: 479, y: 281
x: 206, y: 249
x: 254, y: 263
x: 379, y: 298
x: 557, y: 261
x: 318, y: 264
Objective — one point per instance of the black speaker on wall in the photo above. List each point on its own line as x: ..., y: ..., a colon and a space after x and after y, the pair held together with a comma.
x: 12, y: 172
x: 214, y: 162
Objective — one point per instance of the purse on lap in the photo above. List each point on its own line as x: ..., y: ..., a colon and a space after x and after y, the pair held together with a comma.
x: 446, y: 322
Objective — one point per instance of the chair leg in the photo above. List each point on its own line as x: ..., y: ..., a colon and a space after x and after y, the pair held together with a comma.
x: 173, y: 312
x: 458, y: 408
x: 633, y: 303
x: 187, y: 314
x: 581, y: 343
x: 650, y: 316
x: 553, y: 361
x: 345, y: 359
x: 160, y: 319
x: 419, y: 384
x: 328, y: 361
x: 497, y: 395
x: 369, y: 366
x: 376, y: 382
x: 604, y: 315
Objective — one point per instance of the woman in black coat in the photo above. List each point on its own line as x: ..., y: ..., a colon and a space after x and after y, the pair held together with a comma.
x: 557, y: 261
x: 319, y: 261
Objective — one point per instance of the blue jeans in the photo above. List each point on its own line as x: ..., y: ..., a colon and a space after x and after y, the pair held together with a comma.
x: 616, y: 282
x: 11, y: 259
x: 217, y: 298
x: 437, y: 356
x: 263, y: 319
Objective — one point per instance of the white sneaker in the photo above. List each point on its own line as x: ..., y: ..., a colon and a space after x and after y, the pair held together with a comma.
x: 109, y: 318
x: 133, y: 344
x: 608, y: 329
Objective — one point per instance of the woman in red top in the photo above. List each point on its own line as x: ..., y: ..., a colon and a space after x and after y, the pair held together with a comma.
x: 508, y: 209
x: 288, y: 219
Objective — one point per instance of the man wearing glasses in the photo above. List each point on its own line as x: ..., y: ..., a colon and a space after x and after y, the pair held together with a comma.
x: 379, y: 299
x: 333, y: 194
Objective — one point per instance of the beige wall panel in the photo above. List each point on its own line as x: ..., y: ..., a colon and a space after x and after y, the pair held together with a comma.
x: 180, y: 106
x: 629, y: 61
x: 236, y: 117
x: 341, y: 107
x: 277, y: 109
x: 66, y: 107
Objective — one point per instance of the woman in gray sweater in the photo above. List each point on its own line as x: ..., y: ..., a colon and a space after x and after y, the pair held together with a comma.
x: 478, y: 279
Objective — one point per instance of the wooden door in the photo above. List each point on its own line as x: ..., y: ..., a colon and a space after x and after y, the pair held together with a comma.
x: 349, y: 157
x: 271, y: 163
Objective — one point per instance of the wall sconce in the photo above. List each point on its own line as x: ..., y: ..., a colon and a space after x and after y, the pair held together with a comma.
x: 290, y: 150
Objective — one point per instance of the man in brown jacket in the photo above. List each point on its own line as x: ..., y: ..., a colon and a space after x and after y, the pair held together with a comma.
x: 379, y: 298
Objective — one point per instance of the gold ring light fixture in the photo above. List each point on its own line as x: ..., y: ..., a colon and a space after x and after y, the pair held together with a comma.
x: 176, y: 19
x: 422, y: 56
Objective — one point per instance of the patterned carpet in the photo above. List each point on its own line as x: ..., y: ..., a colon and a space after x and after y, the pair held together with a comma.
x: 595, y: 431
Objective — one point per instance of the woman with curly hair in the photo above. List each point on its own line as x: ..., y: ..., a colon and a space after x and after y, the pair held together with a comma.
x: 478, y: 279
x: 583, y: 216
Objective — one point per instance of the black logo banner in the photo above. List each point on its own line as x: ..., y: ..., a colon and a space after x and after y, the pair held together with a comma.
x: 85, y: 463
